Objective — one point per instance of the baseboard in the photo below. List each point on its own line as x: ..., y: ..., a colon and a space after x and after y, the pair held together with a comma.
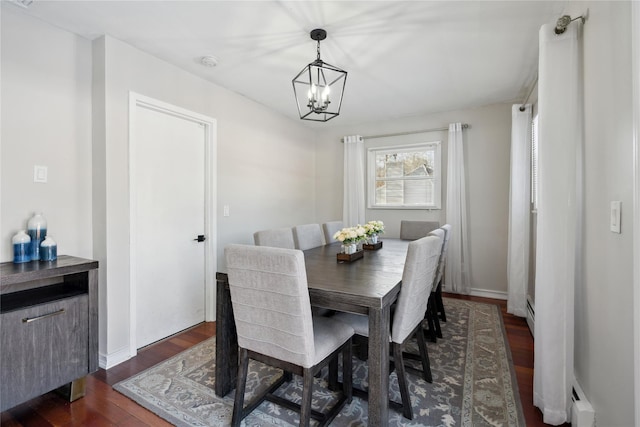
x: 487, y: 293
x: 107, y: 361
x: 484, y: 293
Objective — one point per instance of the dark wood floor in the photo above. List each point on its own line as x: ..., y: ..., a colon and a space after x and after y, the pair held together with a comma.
x: 102, y: 406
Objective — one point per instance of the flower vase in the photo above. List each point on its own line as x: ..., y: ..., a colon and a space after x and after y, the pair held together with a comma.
x: 349, y: 248
x: 373, y: 239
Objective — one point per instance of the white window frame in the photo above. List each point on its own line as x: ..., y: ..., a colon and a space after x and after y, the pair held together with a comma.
x: 436, y: 146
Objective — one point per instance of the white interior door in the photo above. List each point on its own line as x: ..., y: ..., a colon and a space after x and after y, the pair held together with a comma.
x: 169, y: 214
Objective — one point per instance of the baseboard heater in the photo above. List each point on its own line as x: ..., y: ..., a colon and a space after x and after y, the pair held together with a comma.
x: 531, y: 314
x: 582, y: 413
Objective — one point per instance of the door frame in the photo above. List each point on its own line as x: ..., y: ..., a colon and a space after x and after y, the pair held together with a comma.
x: 136, y: 101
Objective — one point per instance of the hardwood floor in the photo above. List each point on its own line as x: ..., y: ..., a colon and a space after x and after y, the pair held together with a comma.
x: 102, y: 406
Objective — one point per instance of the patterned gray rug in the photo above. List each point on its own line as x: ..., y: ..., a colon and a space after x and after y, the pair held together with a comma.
x: 473, y: 385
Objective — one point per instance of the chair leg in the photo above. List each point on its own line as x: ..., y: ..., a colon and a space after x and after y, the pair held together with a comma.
x: 407, y: 411
x: 424, y: 355
x: 305, y: 405
x: 347, y: 372
x: 440, y: 303
x: 332, y: 380
x: 241, y: 382
x: 436, y: 321
x: 429, y: 316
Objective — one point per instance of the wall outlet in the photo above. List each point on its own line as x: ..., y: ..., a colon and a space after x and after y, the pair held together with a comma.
x: 225, y: 210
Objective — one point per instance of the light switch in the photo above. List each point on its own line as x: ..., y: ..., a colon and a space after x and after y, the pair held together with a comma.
x: 225, y: 210
x: 39, y: 173
x: 615, y: 217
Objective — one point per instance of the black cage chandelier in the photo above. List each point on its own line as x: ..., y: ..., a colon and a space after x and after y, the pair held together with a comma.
x: 319, y: 87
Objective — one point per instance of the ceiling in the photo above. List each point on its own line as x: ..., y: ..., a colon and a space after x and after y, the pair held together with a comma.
x: 403, y: 57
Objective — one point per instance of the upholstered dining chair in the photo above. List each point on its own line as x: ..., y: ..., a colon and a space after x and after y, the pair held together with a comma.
x: 431, y: 315
x: 272, y: 311
x: 412, y: 230
x: 420, y: 267
x: 308, y: 236
x: 330, y: 228
x: 440, y: 276
x: 276, y: 238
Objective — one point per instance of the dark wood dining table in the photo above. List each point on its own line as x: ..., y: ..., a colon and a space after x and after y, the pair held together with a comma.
x: 366, y: 286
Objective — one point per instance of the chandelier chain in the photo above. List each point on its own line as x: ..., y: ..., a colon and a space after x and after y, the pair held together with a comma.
x: 318, y: 50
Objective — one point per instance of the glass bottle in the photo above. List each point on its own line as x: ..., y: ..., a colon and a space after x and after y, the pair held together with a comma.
x: 37, y: 229
x: 21, y: 247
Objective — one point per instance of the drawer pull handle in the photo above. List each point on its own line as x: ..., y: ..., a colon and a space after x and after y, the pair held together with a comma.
x: 44, y: 316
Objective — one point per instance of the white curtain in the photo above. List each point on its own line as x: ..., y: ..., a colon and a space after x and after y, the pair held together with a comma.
x: 457, y: 266
x: 353, y: 204
x: 519, y: 210
x: 560, y: 207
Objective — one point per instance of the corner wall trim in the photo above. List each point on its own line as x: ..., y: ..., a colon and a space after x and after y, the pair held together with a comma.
x: 108, y: 361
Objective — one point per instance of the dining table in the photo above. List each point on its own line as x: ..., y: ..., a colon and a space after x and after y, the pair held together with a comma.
x: 368, y: 285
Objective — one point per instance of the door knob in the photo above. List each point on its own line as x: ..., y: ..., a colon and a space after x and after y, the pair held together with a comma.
x: 200, y: 238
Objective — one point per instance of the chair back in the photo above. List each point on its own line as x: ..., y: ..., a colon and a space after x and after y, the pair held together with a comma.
x: 330, y: 228
x: 308, y: 236
x: 270, y: 301
x: 440, y: 233
x: 443, y: 258
x: 275, y: 238
x: 419, y: 268
x: 413, y: 230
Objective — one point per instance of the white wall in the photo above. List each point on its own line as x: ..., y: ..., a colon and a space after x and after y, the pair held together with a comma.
x: 46, y: 120
x: 604, y: 360
x: 487, y: 146
x: 265, y: 170
x: 65, y: 105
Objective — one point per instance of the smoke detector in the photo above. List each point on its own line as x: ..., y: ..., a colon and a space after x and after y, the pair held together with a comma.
x: 209, y: 61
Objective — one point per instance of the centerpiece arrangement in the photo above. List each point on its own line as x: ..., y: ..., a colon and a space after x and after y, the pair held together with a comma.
x: 350, y: 237
x: 373, y: 229
x: 353, y: 239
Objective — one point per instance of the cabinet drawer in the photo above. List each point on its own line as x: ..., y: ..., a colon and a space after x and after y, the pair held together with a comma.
x: 43, y: 347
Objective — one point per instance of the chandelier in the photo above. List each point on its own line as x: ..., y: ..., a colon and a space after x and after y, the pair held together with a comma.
x: 319, y: 87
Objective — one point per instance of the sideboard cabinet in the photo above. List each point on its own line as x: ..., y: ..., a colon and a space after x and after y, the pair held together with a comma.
x: 48, y: 328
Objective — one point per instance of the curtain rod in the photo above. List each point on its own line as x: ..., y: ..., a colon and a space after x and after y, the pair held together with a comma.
x: 464, y: 126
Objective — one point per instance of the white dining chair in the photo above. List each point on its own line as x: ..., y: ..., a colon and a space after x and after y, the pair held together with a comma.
x: 440, y: 277
x: 308, y: 236
x: 420, y: 267
x: 330, y: 228
x: 275, y: 238
x: 431, y: 315
x: 412, y: 230
x: 274, y: 324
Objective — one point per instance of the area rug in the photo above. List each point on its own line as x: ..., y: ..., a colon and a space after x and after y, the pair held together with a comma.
x: 473, y: 385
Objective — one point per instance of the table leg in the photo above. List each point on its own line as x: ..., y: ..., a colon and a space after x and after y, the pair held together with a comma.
x: 379, y: 366
x: 226, y: 339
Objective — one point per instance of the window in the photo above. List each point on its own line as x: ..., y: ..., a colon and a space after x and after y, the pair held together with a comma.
x: 404, y: 177
x: 534, y: 163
